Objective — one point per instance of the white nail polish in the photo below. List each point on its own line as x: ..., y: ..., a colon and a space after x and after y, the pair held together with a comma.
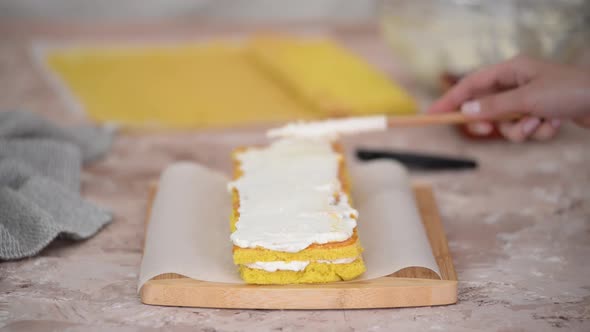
x: 481, y: 128
x: 470, y: 108
x: 530, y: 125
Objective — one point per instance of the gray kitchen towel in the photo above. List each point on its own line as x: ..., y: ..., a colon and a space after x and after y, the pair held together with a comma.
x: 93, y: 142
x: 40, y: 167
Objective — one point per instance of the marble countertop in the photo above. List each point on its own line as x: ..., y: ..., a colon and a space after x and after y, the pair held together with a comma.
x: 518, y: 227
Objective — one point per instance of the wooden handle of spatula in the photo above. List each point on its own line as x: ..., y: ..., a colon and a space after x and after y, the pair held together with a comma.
x: 440, y: 119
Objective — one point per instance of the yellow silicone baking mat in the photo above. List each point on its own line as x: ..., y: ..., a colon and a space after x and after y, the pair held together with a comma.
x: 218, y: 84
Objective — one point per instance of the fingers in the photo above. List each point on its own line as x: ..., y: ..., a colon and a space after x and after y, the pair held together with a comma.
x: 583, y: 122
x: 546, y: 131
x: 497, y: 105
x: 509, y: 74
x: 520, y: 130
x: 481, y: 128
x: 529, y: 127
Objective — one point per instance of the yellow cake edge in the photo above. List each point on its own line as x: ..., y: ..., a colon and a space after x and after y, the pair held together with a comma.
x: 313, y: 273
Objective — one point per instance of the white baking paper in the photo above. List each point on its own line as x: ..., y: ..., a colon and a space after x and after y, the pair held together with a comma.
x: 188, y: 231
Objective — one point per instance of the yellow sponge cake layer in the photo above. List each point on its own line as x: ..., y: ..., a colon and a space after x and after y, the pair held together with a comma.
x: 247, y: 255
x: 313, y: 273
x: 330, y: 79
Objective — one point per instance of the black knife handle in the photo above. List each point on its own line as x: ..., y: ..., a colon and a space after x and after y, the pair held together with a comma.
x: 418, y: 161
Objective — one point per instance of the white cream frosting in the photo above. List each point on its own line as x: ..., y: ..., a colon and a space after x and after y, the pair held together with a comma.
x: 330, y: 129
x: 279, y: 265
x: 287, y: 197
x: 295, y: 265
x: 338, y: 261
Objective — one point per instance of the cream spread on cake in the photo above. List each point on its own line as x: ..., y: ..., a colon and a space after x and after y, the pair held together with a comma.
x: 279, y: 265
x: 290, y: 197
x: 330, y: 129
x: 295, y: 265
x: 338, y: 261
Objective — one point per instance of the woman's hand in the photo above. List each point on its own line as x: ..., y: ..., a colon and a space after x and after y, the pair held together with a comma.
x: 545, y: 93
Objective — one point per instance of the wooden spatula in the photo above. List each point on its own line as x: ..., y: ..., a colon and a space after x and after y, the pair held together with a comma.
x: 439, y: 119
x: 347, y: 126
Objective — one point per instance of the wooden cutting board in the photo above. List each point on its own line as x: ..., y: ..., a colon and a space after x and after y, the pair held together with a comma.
x: 410, y: 287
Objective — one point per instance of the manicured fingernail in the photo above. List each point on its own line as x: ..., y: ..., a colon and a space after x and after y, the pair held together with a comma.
x: 481, y: 128
x: 530, y: 125
x: 470, y: 108
x: 555, y: 123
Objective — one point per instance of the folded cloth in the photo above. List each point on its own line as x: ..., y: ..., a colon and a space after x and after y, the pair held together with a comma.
x: 40, y: 183
x: 93, y: 142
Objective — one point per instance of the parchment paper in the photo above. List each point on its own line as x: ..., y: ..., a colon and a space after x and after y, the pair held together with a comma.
x: 188, y: 231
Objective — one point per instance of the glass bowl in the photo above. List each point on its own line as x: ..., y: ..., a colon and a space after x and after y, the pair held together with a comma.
x: 438, y: 41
